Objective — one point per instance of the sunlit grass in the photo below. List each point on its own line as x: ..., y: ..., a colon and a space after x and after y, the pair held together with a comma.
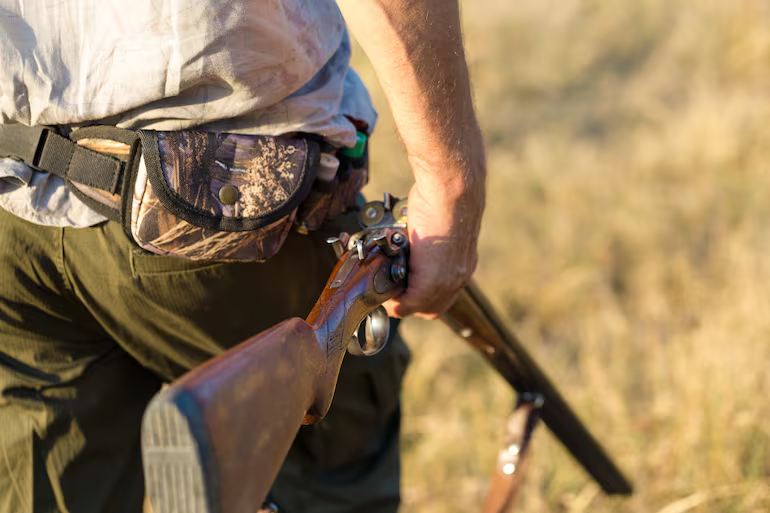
x: 627, y: 241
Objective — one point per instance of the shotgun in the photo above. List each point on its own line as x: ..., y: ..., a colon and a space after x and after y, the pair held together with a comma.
x: 473, y: 318
x: 214, y: 440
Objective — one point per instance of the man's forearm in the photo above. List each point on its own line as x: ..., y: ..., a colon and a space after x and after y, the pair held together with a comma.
x: 416, y: 49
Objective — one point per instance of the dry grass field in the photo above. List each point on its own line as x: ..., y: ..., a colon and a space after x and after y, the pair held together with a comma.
x: 626, y: 240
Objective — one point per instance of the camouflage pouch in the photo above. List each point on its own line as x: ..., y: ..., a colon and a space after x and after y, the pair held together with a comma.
x: 328, y: 200
x: 218, y: 196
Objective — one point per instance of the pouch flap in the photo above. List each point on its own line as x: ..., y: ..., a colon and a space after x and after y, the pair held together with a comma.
x: 229, y: 182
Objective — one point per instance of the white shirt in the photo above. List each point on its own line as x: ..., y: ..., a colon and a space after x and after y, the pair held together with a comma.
x: 245, y: 66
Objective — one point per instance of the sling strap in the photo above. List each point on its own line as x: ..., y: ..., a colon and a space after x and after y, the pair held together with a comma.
x: 48, y: 151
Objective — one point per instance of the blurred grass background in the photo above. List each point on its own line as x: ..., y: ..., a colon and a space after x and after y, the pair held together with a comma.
x: 626, y: 241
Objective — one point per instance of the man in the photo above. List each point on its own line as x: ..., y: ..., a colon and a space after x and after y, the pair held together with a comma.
x: 91, y: 325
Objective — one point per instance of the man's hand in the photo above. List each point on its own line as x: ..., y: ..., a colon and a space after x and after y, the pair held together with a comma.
x: 442, y: 235
x: 416, y: 49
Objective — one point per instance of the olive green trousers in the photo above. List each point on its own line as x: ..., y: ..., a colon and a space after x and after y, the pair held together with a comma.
x: 91, y: 326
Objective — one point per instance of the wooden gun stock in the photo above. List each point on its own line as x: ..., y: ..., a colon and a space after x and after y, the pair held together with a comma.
x: 472, y: 317
x: 214, y: 440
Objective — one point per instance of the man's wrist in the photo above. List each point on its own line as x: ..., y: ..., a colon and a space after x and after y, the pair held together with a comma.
x: 453, y: 172
x: 451, y: 180
x: 455, y: 210
x: 455, y: 193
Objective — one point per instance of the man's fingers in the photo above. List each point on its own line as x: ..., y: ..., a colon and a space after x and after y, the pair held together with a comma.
x: 429, y: 293
x: 391, y: 306
x: 426, y: 306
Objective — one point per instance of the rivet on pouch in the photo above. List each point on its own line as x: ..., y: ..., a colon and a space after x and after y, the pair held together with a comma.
x: 228, y: 195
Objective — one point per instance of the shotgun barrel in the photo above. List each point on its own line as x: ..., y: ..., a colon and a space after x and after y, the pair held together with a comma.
x: 474, y: 319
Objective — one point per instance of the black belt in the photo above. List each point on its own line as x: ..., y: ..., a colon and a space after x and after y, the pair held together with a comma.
x: 44, y: 149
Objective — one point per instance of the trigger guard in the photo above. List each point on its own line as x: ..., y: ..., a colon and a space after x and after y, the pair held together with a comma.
x: 374, y: 341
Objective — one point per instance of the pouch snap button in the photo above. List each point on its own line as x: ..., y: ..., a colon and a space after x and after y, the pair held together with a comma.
x: 228, y: 194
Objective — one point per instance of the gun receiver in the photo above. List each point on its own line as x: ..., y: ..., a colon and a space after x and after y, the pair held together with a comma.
x: 214, y: 440
x: 472, y: 318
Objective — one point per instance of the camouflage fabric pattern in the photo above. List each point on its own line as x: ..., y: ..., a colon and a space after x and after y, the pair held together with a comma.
x: 111, y: 201
x: 266, y: 172
x: 320, y: 206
